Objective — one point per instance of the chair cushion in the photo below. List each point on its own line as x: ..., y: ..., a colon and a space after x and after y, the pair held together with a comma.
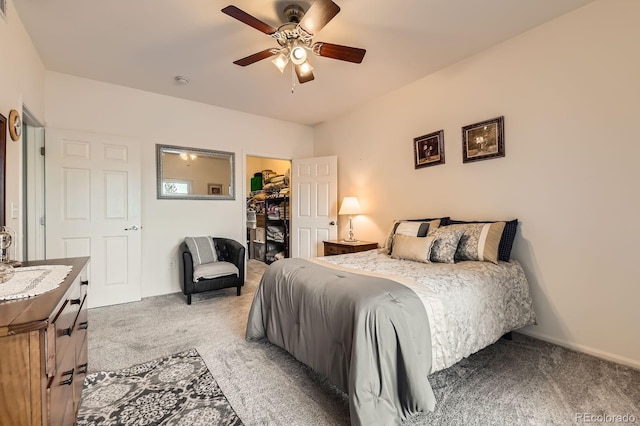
x: 214, y: 270
x: 203, y: 250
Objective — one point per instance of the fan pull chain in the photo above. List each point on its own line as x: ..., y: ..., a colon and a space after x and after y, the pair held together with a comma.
x: 293, y: 79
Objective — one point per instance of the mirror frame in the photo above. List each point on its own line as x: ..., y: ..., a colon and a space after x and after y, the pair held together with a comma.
x: 198, y: 151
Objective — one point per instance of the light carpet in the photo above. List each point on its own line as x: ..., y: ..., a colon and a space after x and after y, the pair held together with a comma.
x: 523, y: 381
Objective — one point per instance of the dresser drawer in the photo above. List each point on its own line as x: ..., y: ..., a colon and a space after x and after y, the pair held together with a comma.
x: 60, y: 392
x: 81, y: 327
x: 345, y: 250
x: 330, y: 250
x: 60, y: 333
x: 82, y: 366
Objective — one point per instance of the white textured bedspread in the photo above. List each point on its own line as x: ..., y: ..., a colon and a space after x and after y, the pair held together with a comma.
x: 470, y: 305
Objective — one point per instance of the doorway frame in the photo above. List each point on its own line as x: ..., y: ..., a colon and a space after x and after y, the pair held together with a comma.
x: 29, y: 120
x: 244, y: 186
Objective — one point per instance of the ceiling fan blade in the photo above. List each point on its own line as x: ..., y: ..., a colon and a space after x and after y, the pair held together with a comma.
x: 303, y: 77
x: 255, y: 57
x: 244, y: 17
x: 336, y: 51
x: 319, y: 15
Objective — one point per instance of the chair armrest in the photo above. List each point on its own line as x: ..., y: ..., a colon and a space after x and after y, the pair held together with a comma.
x: 186, y: 265
x: 231, y: 251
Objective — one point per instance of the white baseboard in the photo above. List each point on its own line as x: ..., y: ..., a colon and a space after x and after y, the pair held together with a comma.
x: 634, y: 363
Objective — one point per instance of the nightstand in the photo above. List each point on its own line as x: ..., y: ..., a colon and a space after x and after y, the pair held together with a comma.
x: 343, y: 247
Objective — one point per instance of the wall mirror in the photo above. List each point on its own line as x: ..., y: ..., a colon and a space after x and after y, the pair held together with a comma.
x: 194, y: 173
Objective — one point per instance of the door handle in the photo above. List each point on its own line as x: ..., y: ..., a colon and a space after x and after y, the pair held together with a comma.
x: 333, y: 222
x: 133, y: 228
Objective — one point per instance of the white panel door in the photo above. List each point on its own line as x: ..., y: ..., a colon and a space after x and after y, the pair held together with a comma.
x: 93, y: 209
x: 314, y: 205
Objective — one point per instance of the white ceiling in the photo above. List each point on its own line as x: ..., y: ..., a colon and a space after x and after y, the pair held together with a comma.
x: 143, y: 44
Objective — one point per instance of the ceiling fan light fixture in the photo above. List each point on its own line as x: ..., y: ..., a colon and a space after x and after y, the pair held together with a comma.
x: 305, y: 68
x: 281, y: 62
x: 298, y: 55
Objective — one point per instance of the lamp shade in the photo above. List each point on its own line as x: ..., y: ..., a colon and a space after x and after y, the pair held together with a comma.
x: 350, y: 206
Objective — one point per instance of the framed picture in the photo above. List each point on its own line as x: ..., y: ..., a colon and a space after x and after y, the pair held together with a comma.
x: 214, y: 189
x: 484, y: 140
x: 428, y: 150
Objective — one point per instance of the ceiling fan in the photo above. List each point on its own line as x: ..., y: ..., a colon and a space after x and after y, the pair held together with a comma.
x: 295, y: 38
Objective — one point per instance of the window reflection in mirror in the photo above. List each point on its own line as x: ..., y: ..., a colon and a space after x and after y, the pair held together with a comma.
x: 194, y: 173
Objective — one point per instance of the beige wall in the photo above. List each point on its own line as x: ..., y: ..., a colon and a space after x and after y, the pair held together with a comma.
x: 569, y: 91
x: 81, y: 104
x: 21, y: 81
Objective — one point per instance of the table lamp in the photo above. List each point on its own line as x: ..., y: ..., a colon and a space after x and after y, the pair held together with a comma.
x: 351, y: 207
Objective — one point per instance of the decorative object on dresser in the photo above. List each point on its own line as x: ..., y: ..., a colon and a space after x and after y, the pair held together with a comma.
x: 350, y: 206
x: 210, y: 263
x: 428, y: 150
x: 484, y: 140
x: 43, y: 342
x: 7, y: 237
x: 344, y: 247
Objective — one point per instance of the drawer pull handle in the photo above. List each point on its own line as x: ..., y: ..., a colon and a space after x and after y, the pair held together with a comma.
x: 67, y: 331
x: 83, y: 325
x: 70, y: 379
x: 84, y: 282
x: 82, y: 368
x: 75, y: 301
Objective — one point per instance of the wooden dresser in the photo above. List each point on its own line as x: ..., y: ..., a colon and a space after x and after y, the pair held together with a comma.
x: 43, y: 351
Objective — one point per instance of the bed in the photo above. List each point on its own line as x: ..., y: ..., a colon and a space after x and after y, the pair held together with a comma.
x: 377, y: 324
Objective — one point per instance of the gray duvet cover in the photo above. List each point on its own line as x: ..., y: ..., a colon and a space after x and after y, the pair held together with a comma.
x: 369, y: 336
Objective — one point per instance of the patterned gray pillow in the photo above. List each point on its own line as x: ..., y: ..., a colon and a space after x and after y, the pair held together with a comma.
x: 203, y: 250
x: 480, y: 241
x: 445, y: 244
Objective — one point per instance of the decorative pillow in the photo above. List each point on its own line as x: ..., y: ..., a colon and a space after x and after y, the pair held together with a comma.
x: 479, y: 242
x: 412, y: 248
x: 410, y: 228
x: 203, y: 250
x: 445, y: 244
x: 506, y: 241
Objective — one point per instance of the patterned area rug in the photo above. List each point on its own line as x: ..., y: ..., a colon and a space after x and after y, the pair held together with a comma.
x: 175, y: 390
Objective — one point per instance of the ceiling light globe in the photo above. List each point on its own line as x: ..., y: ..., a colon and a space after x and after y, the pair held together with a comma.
x: 298, y: 55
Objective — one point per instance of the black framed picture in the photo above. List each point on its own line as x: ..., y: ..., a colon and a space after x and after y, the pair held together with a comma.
x: 214, y: 189
x: 483, y: 141
x: 428, y: 150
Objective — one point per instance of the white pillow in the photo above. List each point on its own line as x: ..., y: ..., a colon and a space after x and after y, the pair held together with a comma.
x: 412, y: 248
